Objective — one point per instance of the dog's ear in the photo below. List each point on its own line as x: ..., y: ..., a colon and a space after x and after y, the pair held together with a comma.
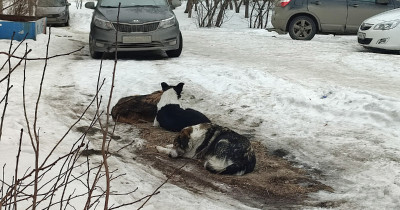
x: 178, y: 89
x: 164, y: 86
x: 182, y: 139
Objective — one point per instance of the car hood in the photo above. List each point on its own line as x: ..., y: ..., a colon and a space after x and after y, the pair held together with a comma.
x: 136, y: 14
x: 385, y: 16
x: 41, y: 11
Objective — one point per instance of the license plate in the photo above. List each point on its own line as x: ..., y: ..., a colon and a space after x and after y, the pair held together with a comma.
x: 136, y: 39
x: 361, y: 35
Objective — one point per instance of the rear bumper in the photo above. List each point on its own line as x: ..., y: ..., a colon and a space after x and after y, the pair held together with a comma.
x: 279, y: 31
x: 279, y: 19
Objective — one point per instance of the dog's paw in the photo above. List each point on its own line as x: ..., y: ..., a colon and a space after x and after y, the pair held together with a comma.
x: 173, y: 153
x: 160, y: 149
x: 156, y: 123
x: 169, y: 146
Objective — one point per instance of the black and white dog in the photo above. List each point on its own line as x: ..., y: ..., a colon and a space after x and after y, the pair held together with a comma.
x: 170, y: 114
x: 224, y: 150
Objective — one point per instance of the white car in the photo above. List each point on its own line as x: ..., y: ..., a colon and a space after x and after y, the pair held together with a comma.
x: 381, y: 31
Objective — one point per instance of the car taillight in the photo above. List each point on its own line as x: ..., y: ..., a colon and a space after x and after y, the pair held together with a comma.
x: 284, y: 3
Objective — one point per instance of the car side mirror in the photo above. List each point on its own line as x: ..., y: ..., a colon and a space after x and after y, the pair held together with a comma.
x: 175, y: 3
x: 90, y: 5
x: 382, y: 1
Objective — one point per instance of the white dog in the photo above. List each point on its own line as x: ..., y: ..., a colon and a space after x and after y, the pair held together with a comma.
x: 170, y: 114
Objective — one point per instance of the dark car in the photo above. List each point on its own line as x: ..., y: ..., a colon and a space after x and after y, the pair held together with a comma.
x: 304, y: 18
x: 56, y: 11
x: 143, y: 25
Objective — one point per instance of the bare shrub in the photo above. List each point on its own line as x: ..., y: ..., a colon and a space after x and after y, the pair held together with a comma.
x: 17, y: 7
x: 260, y: 13
x: 78, y: 4
x: 211, y: 12
x: 58, y: 179
x: 20, y: 7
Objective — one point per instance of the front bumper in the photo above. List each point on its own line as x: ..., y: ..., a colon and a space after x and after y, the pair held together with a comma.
x: 380, y: 39
x: 55, y: 19
x: 160, y: 39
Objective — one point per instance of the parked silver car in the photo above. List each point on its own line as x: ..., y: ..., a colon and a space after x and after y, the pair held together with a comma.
x: 304, y: 18
x: 56, y: 11
x: 143, y: 25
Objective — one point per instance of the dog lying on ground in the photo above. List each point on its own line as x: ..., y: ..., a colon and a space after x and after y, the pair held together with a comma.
x: 133, y: 109
x: 224, y: 150
x: 170, y: 115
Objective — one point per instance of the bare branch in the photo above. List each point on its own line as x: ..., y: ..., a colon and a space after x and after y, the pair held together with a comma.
x: 50, y: 57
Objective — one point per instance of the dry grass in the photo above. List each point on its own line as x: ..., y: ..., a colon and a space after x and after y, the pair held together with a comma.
x: 273, y: 183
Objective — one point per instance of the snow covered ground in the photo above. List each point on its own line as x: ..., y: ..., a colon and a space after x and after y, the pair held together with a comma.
x: 332, y: 105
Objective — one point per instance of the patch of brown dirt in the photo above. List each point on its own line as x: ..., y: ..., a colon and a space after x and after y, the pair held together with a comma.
x: 273, y: 183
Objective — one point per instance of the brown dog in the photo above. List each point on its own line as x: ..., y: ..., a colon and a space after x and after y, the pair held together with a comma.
x: 133, y: 109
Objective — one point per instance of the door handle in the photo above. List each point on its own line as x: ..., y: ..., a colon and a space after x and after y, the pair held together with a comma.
x: 316, y: 2
x: 354, y: 5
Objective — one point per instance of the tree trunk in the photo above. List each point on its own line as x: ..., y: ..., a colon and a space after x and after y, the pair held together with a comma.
x: 31, y: 5
x: 189, y: 6
x: 1, y: 6
x: 220, y: 16
x: 267, y: 13
x: 237, y: 7
x: 246, y: 12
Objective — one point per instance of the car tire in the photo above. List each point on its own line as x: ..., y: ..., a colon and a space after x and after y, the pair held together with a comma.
x: 302, y: 28
x: 94, y: 54
x: 176, y: 53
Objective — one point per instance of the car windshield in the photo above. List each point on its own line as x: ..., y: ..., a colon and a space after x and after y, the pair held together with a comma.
x: 51, y: 3
x: 133, y: 3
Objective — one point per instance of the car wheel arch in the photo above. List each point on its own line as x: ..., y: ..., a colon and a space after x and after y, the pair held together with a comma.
x: 316, y: 21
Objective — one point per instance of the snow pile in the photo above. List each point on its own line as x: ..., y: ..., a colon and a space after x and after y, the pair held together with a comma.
x: 332, y: 105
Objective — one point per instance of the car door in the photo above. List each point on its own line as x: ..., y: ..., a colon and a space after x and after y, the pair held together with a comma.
x: 359, y: 10
x: 330, y: 13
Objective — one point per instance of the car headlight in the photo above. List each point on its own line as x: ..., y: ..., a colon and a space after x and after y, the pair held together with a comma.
x: 167, y: 22
x: 64, y: 13
x: 104, y: 24
x: 387, y: 25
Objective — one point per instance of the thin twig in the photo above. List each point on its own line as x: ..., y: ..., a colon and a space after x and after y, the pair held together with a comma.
x: 8, y: 89
x: 35, y: 130
x: 168, y: 178
x: 105, y: 134
x: 36, y: 59
x: 16, y: 170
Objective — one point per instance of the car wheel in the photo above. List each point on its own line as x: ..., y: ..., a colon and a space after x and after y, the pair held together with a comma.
x: 94, y: 54
x: 176, y: 53
x: 302, y: 28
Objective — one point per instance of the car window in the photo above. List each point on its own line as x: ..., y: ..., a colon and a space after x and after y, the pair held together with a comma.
x: 372, y: 1
x: 368, y: 1
x: 133, y: 3
x: 51, y: 3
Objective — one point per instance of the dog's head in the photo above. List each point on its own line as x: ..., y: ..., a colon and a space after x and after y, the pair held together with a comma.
x: 189, y: 140
x: 182, y: 141
x: 178, y: 88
